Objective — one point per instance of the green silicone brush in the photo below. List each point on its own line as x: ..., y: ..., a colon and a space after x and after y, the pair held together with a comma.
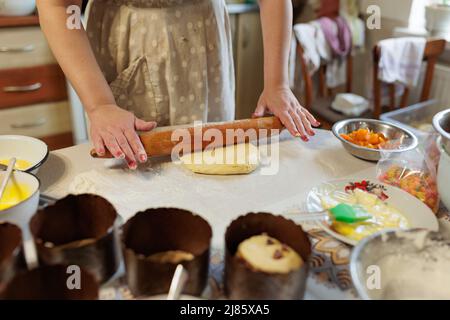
x: 349, y: 213
x: 342, y: 212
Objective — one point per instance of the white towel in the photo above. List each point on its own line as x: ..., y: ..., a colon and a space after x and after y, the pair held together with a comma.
x: 322, y: 46
x: 401, y: 60
x: 306, y: 36
x: 350, y: 104
x: 336, y: 67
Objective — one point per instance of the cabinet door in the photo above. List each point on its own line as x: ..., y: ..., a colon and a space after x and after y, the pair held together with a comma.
x: 40, y: 120
x: 249, y: 63
x: 25, y: 86
x: 24, y: 47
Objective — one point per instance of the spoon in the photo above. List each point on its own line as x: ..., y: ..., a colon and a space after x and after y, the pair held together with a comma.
x: 7, y: 175
x: 179, y: 280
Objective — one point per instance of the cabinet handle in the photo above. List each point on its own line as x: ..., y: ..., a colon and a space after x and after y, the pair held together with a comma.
x: 32, y: 87
x: 26, y: 48
x: 28, y: 125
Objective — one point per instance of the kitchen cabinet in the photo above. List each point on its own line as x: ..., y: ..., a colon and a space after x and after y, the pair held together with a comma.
x: 33, y: 91
x: 248, y: 57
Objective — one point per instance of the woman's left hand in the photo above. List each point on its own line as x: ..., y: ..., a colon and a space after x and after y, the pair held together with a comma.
x: 282, y: 103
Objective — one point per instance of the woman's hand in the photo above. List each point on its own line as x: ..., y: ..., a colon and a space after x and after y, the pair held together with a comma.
x: 115, y: 129
x: 282, y: 103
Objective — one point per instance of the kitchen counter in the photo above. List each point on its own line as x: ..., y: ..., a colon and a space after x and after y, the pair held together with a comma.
x: 221, y: 199
x: 218, y: 199
x: 322, y: 158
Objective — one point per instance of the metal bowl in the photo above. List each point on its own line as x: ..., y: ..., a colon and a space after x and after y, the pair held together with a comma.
x: 441, y: 122
x: 365, y: 258
x: 407, y: 140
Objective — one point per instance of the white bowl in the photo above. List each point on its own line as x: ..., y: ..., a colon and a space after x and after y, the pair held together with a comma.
x: 21, y: 213
x: 443, y: 177
x: 25, y: 148
x: 17, y: 7
x: 366, y: 256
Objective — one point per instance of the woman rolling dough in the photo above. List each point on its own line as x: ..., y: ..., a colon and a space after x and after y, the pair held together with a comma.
x: 146, y: 62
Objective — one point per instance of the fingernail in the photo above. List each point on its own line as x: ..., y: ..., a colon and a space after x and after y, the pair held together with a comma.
x: 298, y: 135
x: 132, y: 165
x: 305, y: 139
x: 143, y: 158
x: 101, y: 152
x: 120, y: 155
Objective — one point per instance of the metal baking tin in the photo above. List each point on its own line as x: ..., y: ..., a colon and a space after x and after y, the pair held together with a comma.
x: 242, y: 282
x: 52, y: 283
x: 12, y: 257
x: 79, y: 230
x: 160, y: 230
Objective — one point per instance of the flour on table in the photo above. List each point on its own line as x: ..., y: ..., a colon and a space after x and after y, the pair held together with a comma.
x: 218, y: 199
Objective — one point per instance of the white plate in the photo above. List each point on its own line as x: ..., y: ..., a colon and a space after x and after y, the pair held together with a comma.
x: 26, y: 148
x: 417, y: 213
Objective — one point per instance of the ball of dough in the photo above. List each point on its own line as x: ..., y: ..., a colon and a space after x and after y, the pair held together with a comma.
x: 229, y: 160
x: 267, y: 254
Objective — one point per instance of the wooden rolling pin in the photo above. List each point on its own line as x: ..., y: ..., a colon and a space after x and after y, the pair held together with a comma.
x: 159, y: 143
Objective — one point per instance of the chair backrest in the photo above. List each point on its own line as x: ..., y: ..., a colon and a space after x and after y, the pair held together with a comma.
x: 323, y: 90
x: 433, y: 49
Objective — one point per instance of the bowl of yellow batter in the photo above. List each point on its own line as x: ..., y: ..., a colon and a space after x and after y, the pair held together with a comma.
x: 30, y: 152
x: 20, y: 199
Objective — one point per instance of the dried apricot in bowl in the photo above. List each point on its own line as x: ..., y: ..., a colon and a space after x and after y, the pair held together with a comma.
x: 365, y: 138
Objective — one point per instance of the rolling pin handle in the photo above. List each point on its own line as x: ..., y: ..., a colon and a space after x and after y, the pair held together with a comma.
x: 107, y: 155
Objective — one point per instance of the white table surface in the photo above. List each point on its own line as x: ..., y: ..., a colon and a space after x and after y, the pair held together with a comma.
x: 303, y: 165
x: 221, y: 199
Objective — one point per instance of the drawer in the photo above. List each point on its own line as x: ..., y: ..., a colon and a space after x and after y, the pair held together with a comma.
x: 39, y: 120
x: 33, y: 85
x: 58, y: 141
x: 24, y: 47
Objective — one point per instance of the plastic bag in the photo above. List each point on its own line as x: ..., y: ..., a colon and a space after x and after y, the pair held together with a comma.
x: 413, y: 171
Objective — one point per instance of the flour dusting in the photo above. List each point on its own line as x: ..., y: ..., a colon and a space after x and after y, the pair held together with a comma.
x: 423, y: 274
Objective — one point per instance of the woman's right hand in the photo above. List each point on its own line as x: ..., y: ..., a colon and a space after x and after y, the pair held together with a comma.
x: 115, y: 128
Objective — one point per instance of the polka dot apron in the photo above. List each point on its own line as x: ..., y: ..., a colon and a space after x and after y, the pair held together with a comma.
x: 168, y: 61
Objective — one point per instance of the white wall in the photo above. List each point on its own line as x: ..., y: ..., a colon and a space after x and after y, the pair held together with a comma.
x: 391, y: 9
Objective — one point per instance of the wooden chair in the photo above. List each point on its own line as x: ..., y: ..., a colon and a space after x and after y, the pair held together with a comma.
x: 320, y: 105
x: 433, y: 49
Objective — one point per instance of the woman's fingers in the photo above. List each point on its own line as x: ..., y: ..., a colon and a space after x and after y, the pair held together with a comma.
x: 142, y: 125
x: 289, y: 123
x: 136, y: 145
x: 260, y: 110
x: 310, y: 117
x: 305, y: 121
x: 98, y: 144
x: 299, y: 124
x: 124, y: 145
x: 112, y: 145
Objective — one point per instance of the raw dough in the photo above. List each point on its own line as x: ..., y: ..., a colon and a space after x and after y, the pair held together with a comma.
x: 267, y: 254
x: 172, y: 256
x: 235, y: 159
